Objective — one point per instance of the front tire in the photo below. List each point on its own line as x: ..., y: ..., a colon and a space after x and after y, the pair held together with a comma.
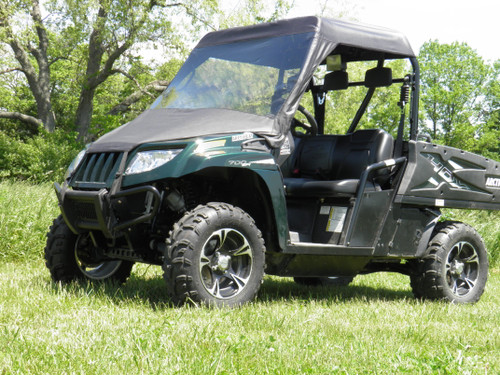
x: 69, y: 257
x: 215, y: 256
x: 455, y: 267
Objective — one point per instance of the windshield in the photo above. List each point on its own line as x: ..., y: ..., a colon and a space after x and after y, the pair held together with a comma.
x: 253, y: 76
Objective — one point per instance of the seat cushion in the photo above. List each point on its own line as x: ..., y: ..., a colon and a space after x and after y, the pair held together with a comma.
x: 306, y: 187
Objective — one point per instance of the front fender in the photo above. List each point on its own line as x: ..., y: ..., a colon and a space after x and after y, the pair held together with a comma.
x: 198, y: 155
x: 222, y: 153
x: 275, y: 187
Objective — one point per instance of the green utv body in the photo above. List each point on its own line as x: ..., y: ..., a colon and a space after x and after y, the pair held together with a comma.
x: 218, y: 181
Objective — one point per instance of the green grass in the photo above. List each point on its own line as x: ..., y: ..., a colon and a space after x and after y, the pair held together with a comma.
x: 372, y: 326
x: 26, y: 212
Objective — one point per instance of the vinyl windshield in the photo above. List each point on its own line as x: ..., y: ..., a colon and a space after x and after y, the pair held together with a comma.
x: 254, y: 76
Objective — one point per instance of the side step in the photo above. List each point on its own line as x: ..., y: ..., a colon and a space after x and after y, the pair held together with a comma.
x: 312, y: 248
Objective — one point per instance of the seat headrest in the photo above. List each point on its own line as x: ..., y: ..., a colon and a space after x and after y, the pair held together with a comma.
x: 338, y: 80
x: 378, y: 77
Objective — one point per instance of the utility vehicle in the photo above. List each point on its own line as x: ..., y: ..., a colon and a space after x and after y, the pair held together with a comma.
x: 220, y: 181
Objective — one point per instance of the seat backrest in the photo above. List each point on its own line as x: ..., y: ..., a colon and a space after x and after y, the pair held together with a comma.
x: 315, y: 156
x: 359, y: 150
x: 340, y: 157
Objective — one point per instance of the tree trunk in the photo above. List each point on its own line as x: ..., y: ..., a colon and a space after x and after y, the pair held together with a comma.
x: 84, y: 113
x: 38, y: 81
x: 96, y: 53
x: 45, y: 113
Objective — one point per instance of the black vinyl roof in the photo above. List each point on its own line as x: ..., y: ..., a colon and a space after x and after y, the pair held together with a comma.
x: 346, y: 33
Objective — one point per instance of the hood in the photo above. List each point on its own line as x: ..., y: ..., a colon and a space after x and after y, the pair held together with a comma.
x: 166, y: 124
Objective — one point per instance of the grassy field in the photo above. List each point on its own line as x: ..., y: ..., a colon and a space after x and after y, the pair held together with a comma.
x: 373, y: 326
x: 26, y: 212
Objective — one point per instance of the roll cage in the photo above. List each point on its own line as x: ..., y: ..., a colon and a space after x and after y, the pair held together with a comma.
x: 377, y: 78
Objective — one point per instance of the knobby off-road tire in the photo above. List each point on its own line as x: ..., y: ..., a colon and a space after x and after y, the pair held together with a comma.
x: 324, y: 281
x: 215, y: 256
x: 69, y: 257
x: 455, y: 267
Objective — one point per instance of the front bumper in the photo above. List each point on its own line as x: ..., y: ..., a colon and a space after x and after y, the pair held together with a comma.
x: 85, y: 211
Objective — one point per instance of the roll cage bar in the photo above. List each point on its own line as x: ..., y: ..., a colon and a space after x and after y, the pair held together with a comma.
x: 319, y: 95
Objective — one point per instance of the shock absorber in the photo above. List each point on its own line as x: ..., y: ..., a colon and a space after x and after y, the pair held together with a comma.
x: 404, y: 98
x: 405, y: 93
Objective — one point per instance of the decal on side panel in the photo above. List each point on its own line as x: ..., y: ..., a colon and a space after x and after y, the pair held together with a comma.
x: 493, y: 182
x: 445, y: 173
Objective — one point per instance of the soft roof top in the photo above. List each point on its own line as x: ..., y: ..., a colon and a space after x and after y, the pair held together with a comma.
x: 349, y: 34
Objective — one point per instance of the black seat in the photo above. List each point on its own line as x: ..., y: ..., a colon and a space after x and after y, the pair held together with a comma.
x: 331, y: 165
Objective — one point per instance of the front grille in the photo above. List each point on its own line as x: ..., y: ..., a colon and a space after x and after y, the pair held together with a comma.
x: 82, y: 210
x: 97, y: 169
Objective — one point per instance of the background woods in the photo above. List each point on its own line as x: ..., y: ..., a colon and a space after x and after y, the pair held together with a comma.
x: 71, y: 71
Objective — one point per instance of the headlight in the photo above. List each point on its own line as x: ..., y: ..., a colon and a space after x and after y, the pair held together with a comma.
x: 148, y: 160
x: 76, y: 162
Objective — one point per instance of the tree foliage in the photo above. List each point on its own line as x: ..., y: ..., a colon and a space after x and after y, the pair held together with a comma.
x: 460, y: 97
x: 83, y: 62
x: 88, y: 66
x: 67, y: 54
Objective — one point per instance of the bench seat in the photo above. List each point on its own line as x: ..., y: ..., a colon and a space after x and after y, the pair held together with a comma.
x: 331, y: 165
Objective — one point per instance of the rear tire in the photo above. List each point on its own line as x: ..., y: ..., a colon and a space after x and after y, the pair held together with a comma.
x: 69, y: 257
x: 215, y: 256
x: 455, y: 267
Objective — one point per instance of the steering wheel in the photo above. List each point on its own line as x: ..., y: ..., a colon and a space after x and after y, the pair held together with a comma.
x: 310, y: 128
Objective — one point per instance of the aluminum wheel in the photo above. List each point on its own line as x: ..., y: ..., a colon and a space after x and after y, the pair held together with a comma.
x: 454, y: 266
x: 215, y: 256
x: 85, y: 260
x: 225, y: 263
x: 462, y: 268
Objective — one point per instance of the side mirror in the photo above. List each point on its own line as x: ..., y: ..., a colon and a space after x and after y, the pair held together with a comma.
x: 338, y: 80
x: 378, y: 77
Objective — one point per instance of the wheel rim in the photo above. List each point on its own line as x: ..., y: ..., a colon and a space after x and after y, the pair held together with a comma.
x: 226, y: 263
x: 92, y: 269
x: 462, y: 268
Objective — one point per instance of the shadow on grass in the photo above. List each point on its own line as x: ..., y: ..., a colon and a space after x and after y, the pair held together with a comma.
x: 152, y: 291
x: 273, y: 290
x: 138, y: 290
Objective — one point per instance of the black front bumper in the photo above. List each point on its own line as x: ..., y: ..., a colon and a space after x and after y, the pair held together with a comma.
x: 85, y: 211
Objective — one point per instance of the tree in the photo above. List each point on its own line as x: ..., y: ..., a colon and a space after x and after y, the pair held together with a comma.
x: 73, y: 51
x: 489, y: 142
x: 457, y: 94
x: 28, y: 55
x: 99, y: 35
x: 115, y: 29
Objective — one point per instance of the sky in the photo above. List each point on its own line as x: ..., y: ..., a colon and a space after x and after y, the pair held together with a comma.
x: 476, y: 22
